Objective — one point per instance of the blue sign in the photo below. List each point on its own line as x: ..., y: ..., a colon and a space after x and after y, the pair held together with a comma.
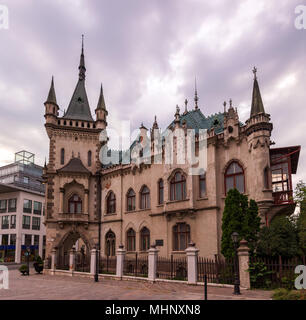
x: 23, y: 247
x: 6, y: 247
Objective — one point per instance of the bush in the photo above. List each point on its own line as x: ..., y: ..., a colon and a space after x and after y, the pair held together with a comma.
x: 284, y: 294
x: 259, y: 275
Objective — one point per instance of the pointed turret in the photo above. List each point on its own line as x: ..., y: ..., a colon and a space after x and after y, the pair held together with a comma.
x: 51, y: 96
x: 78, y: 108
x: 101, y: 102
x: 257, y: 105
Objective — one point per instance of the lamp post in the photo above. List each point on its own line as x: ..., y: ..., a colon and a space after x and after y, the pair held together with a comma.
x: 235, y: 239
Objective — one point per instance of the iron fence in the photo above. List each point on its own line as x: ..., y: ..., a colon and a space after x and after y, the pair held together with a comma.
x: 107, y: 265
x: 171, y: 268
x: 82, y: 262
x: 136, y: 265
x: 273, y: 272
x: 62, y: 261
x: 217, y: 270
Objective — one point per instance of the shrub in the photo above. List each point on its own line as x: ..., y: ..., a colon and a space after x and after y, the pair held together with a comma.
x: 23, y: 268
x: 284, y: 294
x: 259, y: 275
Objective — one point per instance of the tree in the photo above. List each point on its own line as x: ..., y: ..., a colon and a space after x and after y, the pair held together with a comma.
x: 278, y: 239
x: 300, y: 198
x: 239, y: 216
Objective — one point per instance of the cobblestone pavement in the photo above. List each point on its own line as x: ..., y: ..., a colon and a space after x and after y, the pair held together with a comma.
x: 37, y: 287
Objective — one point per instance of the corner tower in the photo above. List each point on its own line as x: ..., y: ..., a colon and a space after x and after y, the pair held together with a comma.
x: 72, y: 171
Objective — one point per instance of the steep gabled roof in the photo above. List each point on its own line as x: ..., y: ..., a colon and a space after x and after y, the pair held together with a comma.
x: 257, y: 105
x: 75, y: 165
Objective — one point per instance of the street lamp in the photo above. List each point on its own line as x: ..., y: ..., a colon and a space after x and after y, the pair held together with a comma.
x: 97, y: 263
x: 235, y: 239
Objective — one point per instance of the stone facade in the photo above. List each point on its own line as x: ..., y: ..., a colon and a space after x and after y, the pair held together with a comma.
x: 76, y: 172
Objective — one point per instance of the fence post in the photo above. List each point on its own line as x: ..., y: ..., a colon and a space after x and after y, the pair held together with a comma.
x: 192, y: 263
x: 243, y: 258
x: 93, y: 263
x: 120, y: 261
x: 72, y: 260
x: 53, y: 260
x: 153, y: 253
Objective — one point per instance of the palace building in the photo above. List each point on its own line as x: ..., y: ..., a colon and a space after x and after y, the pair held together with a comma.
x: 140, y: 204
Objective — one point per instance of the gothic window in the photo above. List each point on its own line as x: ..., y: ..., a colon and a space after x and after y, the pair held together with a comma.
x: 89, y: 158
x: 234, y: 177
x: 110, y: 243
x: 62, y: 156
x: 75, y: 204
x: 160, y: 191
x: 111, y: 203
x: 178, y: 187
x: 131, y: 240
x: 131, y: 200
x: 181, y: 236
x: 144, y: 239
x: 145, y: 198
x: 202, y: 185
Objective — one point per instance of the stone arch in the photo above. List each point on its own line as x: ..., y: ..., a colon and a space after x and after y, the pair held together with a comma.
x: 175, y: 171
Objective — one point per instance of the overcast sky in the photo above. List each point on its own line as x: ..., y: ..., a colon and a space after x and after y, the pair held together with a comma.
x: 147, y: 54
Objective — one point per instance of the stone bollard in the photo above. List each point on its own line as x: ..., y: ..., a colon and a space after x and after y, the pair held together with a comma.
x: 72, y: 260
x: 243, y: 258
x: 192, y: 263
x: 93, y: 263
x: 153, y: 254
x: 120, y: 261
x: 53, y: 260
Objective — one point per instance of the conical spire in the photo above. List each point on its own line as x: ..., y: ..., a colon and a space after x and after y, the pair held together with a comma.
x: 101, y: 102
x: 78, y: 108
x: 51, y: 96
x: 155, y: 124
x: 257, y: 105
x: 82, y: 68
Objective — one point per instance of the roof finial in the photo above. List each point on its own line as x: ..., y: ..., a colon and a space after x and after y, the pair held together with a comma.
x: 155, y: 125
x: 230, y: 102
x: 196, y: 99
x: 82, y: 68
x: 224, y: 104
x: 255, y: 72
x: 186, y: 102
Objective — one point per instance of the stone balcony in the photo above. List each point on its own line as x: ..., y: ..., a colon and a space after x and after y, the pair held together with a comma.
x: 79, y: 218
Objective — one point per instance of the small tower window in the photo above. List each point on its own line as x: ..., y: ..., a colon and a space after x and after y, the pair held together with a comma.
x: 62, y: 156
x: 89, y: 158
x: 75, y: 204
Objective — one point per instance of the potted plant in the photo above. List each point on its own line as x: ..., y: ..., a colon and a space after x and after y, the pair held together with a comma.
x: 23, y: 269
x: 38, y: 264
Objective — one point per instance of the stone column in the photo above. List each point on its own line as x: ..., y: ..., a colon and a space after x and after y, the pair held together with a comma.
x: 153, y: 254
x: 93, y: 255
x: 243, y: 258
x: 72, y: 260
x: 120, y: 261
x: 192, y: 263
x: 53, y: 260
x: 61, y: 200
x: 86, y: 201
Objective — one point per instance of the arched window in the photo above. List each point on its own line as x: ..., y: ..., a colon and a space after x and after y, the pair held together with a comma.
x: 234, y: 177
x: 75, y: 204
x: 131, y: 200
x: 178, y: 187
x: 110, y: 243
x: 202, y: 185
x: 181, y: 236
x: 160, y: 191
x: 145, y: 198
x: 144, y: 239
x: 89, y: 158
x: 111, y: 203
x: 131, y: 240
x: 62, y: 156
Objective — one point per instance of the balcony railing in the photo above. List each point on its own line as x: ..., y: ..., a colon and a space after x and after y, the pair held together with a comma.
x: 80, y: 217
x: 283, y: 197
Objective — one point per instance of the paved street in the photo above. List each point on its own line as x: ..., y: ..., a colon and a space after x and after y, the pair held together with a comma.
x: 70, y: 288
